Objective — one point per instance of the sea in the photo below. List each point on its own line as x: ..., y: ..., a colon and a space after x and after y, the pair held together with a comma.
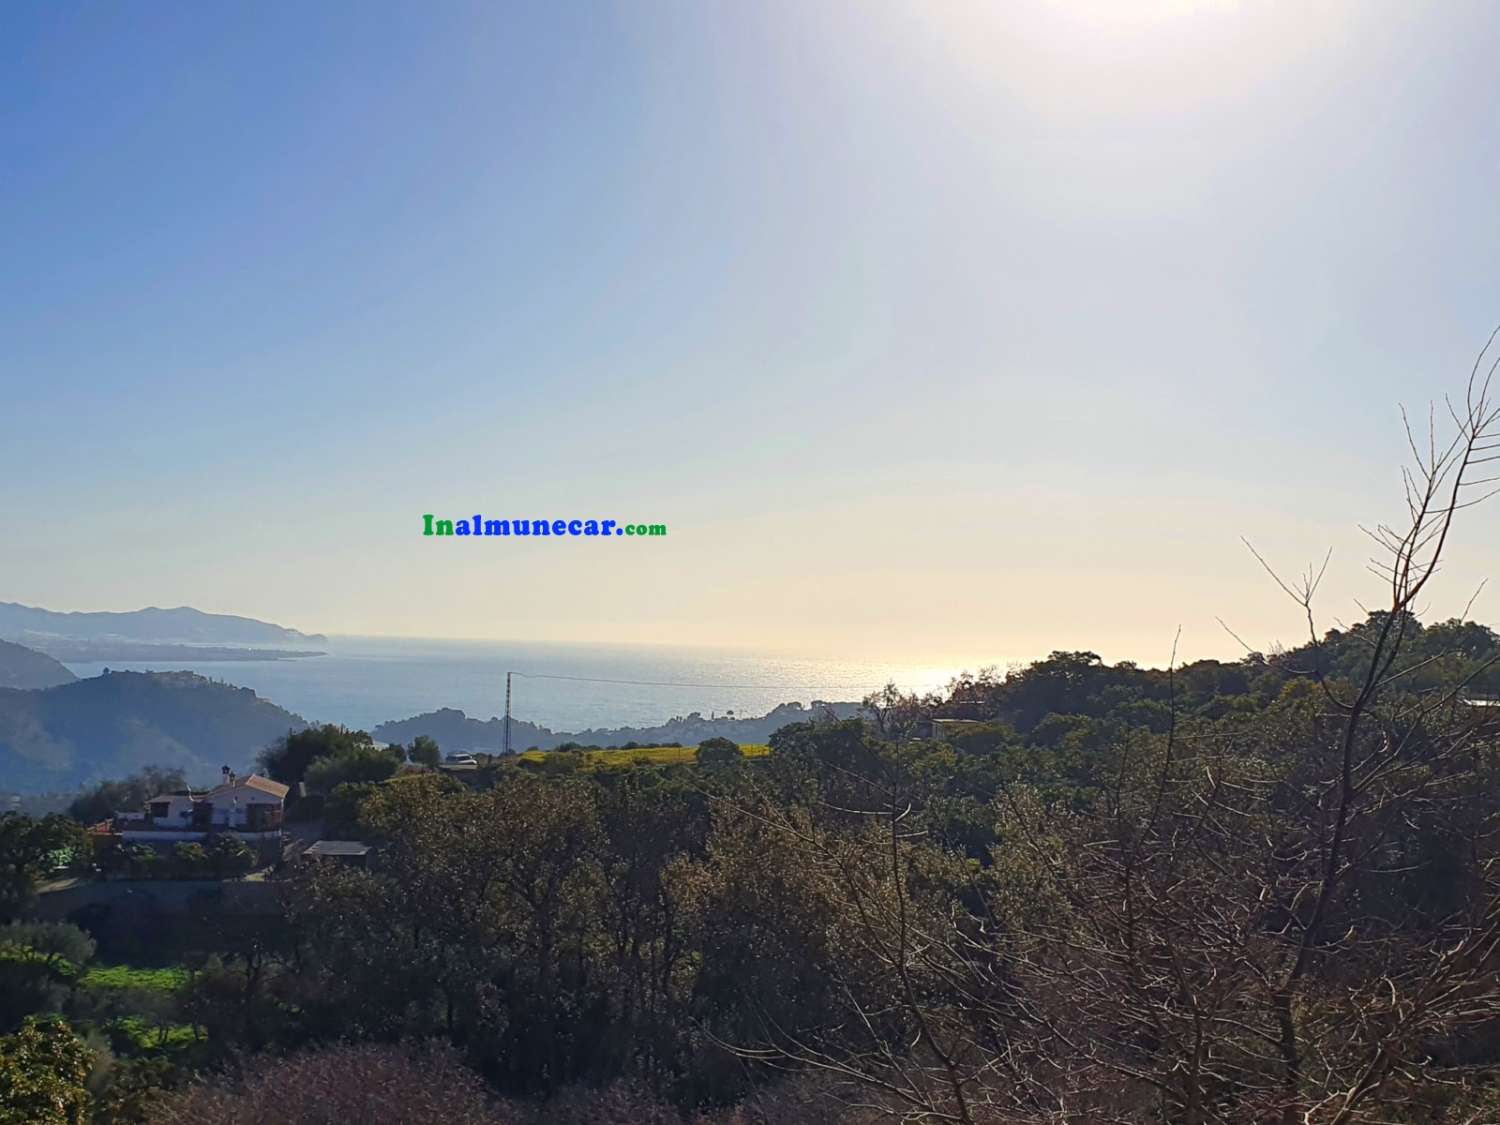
x: 361, y: 682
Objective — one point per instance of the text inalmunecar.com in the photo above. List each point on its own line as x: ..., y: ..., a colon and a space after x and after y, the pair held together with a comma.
x: 478, y: 525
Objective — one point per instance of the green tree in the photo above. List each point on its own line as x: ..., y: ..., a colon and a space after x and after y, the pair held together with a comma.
x: 57, y: 944
x: 341, y: 810
x: 289, y: 759
x: 472, y: 889
x: 424, y: 751
x: 28, y: 850
x: 353, y: 766
x: 38, y: 961
x: 43, y: 1068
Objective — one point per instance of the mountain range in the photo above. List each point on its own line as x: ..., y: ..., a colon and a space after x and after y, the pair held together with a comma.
x: 180, y: 625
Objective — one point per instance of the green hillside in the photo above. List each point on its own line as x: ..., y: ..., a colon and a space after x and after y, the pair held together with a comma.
x: 111, y: 725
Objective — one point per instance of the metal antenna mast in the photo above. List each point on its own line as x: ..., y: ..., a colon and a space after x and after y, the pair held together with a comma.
x: 507, y: 713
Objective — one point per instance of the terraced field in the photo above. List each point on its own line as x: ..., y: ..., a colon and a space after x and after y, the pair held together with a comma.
x: 645, y: 755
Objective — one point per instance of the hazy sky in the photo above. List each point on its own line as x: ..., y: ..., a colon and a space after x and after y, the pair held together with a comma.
x: 932, y: 331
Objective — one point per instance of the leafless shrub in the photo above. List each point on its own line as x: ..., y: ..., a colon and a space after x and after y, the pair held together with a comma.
x: 622, y: 1103
x: 372, y: 1085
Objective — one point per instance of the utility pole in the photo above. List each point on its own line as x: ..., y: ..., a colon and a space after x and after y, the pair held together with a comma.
x: 507, y: 714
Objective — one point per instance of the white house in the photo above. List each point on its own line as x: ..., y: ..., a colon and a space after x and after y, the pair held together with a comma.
x: 250, y: 808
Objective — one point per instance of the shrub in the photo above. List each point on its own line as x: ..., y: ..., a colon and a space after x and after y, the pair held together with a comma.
x: 229, y: 855
x: 190, y: 859
x: 363, y: 763
x: 142, y: 861
x: 718, y: 753
x: 619, y: 1104
x: 561, y: 764
x: 372, y: 1085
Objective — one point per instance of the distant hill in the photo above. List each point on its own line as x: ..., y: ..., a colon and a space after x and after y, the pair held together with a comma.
x: 453, y: 730
x: 108, y: 726
x: 111, y: 652
x: 181, y: 625
x: 22, y: 667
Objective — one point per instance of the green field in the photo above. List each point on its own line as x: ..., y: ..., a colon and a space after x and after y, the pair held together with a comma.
x: 65, y: 969
x: 125, y: 976
x: 646, y: 755
x: 150, y: 1037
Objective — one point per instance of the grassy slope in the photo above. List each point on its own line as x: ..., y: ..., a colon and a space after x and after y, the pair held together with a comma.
x: 126, y: 976
x: 108, y: 976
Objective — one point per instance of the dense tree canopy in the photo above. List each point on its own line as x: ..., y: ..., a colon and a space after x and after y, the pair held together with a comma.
x: 651, y: 924
x: 29, y: 848
x: 356, y: 765
x: 289, y: 759
x: 102, y: 801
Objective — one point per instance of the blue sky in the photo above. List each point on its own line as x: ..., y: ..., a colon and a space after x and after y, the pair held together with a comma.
x: 932, y: 331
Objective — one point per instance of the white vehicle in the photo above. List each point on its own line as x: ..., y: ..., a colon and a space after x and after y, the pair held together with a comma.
x: 461, y: 760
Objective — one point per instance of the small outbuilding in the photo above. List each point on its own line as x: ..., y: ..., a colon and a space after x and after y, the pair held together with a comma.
x: 350, y: 852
